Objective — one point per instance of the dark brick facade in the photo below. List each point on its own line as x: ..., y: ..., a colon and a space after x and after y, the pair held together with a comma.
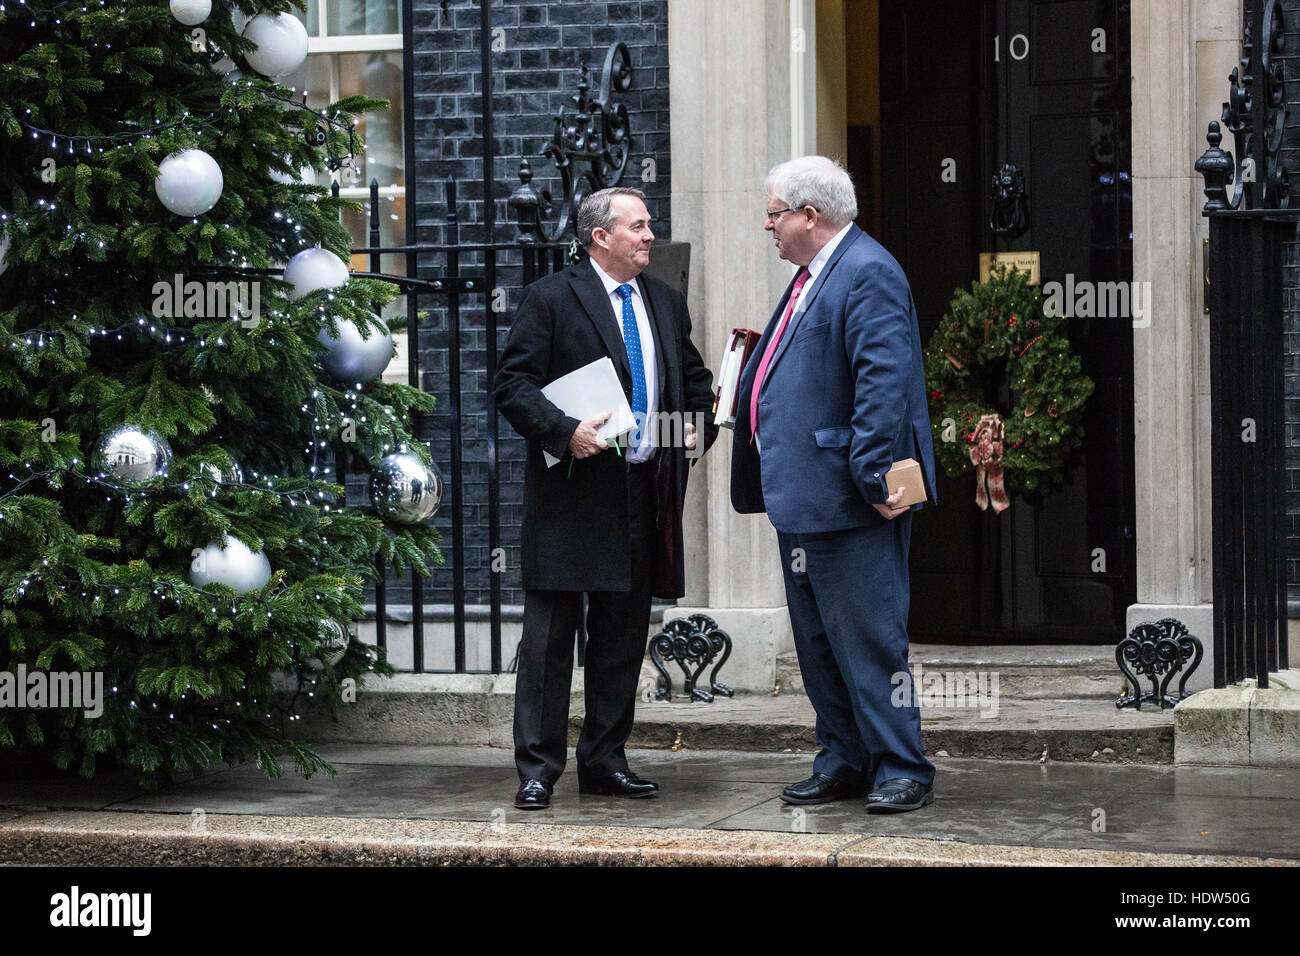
x: 535, y: 75
x: 1291, y: 305
x: 1291, y: 343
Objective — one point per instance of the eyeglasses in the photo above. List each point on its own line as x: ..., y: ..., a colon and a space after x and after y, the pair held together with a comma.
x: 774, y: 214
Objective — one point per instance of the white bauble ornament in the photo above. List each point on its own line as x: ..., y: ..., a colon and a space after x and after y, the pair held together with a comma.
x: 189, y: 183
x: 236, y: 567
x: 289, y: 179
x: 332, y: 641
x: 353, y: 359
x: 281, y: 43
x: 129, y: 454
x: 404, y: 489
x: 191, y: 12
x: 314, y: 269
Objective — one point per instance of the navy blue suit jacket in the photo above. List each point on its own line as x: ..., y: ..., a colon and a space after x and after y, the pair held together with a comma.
x: 843, y: 398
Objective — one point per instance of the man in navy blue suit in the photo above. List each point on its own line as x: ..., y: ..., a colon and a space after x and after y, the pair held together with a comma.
x: 833, y: 395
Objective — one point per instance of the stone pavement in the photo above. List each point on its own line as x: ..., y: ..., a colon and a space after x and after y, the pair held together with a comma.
x: 419, y: 804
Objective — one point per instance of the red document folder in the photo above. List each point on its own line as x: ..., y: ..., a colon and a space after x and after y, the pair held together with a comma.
x: 739, y: 347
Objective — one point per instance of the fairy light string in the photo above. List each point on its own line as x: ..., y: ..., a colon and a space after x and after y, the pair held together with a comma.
x: 170, y: 589
x: 98, y: 142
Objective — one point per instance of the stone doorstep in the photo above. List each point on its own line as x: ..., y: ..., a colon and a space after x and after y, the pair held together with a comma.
x: 478, y: 709
x: 473, y: 709
x: 1035, y: 671
x: 1220, y: 726
x: 1057, y: 730
x: 118, y: 838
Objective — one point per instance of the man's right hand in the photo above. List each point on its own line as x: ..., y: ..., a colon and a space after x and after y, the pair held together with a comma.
x: 585, y: 441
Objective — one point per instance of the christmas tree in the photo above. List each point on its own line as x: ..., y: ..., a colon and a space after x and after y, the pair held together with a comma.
x: 170, y: 405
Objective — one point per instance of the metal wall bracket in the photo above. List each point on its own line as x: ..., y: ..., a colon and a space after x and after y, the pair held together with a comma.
x: 1157, y: 651
x: 691, y: 642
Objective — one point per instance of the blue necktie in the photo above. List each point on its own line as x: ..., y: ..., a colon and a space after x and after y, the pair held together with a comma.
x: 632, y: 342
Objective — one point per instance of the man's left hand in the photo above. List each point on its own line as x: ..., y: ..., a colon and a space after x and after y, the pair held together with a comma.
x: 892, y: 508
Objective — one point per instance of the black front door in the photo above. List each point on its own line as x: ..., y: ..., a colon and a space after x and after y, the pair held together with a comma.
x: 967, y: 85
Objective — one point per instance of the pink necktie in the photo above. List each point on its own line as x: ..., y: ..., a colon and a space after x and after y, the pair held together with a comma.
x: 761, y: 374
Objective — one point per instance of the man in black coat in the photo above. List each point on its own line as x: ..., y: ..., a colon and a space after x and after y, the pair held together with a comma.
x: 599, y: 522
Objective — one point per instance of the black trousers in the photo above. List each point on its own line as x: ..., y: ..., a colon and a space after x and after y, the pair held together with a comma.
x: 618, y: 624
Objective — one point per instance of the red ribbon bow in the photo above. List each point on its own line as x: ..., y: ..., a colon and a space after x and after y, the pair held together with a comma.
x: 986, y: 455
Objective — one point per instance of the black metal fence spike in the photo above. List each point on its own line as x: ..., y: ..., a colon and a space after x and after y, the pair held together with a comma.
x: 1217, y: 168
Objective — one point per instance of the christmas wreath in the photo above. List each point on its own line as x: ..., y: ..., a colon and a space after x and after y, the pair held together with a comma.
x: 1006, y: 394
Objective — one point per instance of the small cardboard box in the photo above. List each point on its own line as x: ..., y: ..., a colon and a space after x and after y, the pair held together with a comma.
x: 907, y: 473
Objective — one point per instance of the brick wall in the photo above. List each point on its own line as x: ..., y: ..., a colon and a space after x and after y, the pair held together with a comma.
x: 1291, y: 304
x: 1291, y: 343
x: 535, y: 75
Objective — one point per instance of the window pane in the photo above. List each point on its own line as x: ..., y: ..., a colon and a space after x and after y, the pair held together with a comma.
x: 314, y: 77
x: 377, y: 75
x: 363, y: 16
x: 312, y: 19
x: 392, y: 232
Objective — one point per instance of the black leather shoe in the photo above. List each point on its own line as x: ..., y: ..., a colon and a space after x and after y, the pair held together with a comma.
x: 899, y: 795
x: 819, y: 788
x: 533, y: 795
x: 620, y: 783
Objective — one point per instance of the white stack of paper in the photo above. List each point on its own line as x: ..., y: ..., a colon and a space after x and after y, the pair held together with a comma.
x: 590, y: 391
x: 739, y: 347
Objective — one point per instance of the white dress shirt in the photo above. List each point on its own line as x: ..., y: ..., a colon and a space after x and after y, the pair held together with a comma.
x: 814, y: 269
x: 818, y: 264
x: 646, y: 446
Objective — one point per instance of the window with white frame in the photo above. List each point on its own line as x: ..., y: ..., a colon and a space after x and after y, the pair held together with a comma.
x: 355, y: 48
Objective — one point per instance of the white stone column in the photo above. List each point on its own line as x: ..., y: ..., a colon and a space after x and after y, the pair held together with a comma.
x: 1182, y: 54
x: 730, y: 123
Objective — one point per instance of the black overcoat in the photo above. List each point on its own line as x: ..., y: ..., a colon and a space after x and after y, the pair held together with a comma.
x: 575, y: 521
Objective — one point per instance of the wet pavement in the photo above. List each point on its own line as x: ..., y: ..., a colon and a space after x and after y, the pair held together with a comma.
x: 1132, y: 808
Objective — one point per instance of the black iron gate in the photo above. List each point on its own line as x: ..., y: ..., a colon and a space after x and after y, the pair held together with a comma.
x: 589, y: 149
x: 439, y: 272
x: 1248, y: 200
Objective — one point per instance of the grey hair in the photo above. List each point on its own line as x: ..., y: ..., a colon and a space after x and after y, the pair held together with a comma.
x: 595, y: 212
x: 815, y: 181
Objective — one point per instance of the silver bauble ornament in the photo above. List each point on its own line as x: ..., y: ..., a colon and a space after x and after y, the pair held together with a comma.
x: 236, y: 566
x: 191, y: 12
x: 332, y: 641
x: 189, y: 183
x: 404, y: 489
x: 353, y: 359
x: 314, y: 269
x: 129, y: 454
x: 4, y: 253
x: 281, y: 43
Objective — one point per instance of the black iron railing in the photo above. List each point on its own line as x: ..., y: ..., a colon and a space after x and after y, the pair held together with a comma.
x: 589, y: 148
x: 438, y: 279
x: 1248, y: 200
